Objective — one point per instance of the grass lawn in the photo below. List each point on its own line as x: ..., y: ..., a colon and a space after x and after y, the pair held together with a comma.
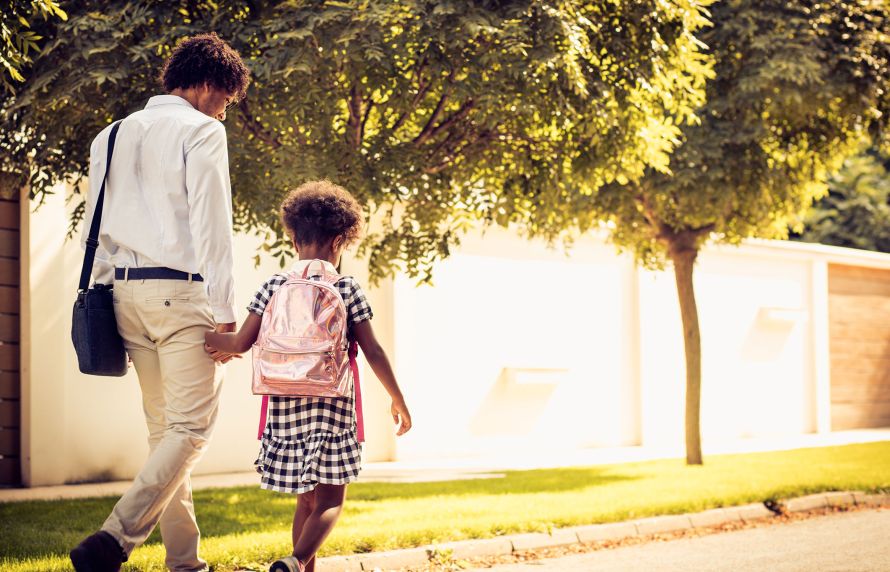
x: 248, y: 527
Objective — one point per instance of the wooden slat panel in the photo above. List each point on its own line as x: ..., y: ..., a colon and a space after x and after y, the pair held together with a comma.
x: 841, y: 365
x: 10, y: 385
x: 9, y: 272
x: 10, y: 442
x: 857, y: 310
x: 862, y: 330
x: 9, y: 328
x: 9, y: 243
x: 858, y: 281
x: 860, y: 415
x: 9, y: 215
x: 851, y: 371
x: 9, y: 357
x: 860, y: 347
x: 10, y: 471
x: 865, y: 391
x: 859, y: 332
x: 10, y: 303
x: 9, y: 414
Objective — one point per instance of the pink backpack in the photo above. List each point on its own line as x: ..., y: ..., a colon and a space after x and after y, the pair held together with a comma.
x: 302, y: 349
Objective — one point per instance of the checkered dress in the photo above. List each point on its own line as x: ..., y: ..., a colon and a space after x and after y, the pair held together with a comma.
x: 311, y: 440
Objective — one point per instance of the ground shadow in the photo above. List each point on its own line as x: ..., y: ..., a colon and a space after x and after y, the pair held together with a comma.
x: 51, y: 528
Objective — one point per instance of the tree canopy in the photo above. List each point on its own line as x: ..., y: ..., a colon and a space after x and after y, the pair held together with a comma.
x: 425, y: 110
x: 856, y: 211
x: 19, y: 40
x: 797, y: 85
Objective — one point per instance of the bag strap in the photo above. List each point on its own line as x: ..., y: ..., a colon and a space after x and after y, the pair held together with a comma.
x: 93, y: 237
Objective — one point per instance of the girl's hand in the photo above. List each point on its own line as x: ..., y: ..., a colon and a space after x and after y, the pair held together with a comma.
x: 400, y: 410
x: 211, y: 338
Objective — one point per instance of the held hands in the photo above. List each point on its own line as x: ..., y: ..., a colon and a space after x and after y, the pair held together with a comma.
x: 400, y: 413
x: 211, y: 337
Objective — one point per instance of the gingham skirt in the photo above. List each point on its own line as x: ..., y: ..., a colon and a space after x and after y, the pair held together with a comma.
x: 307, y: 441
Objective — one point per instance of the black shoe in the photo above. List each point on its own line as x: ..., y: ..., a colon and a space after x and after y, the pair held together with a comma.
x: 98, y: 552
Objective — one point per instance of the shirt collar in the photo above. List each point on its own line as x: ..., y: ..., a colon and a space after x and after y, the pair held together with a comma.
x: 167, y: 100
x: 300, y: 265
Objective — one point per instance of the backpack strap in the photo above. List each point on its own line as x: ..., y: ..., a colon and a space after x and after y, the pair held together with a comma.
x: 359, y: 417
x: 325, y: 275
x: 264, y: 409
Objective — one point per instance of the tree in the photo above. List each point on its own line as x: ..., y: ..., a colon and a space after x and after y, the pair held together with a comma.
x: 424, y: 109
x: 856, y: 211
x: 17, y: 37
x: 798, y: 84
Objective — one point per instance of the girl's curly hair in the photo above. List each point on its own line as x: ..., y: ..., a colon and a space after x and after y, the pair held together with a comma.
x: 206, y: 59
x: 318, y: 211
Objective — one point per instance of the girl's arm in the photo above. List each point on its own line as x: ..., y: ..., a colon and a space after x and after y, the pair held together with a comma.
x: 379, y: 363
x: 235, y: 342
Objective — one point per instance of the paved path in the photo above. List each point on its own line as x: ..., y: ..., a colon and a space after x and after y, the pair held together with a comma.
x: 849, y: 542
x: 489, y: 466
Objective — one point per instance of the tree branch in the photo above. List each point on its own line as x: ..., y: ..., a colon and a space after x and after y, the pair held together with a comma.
x: 367, y: 114
x: 676, y: 240
x: 355, y: 124
x: 255, y: 127
x: 425, y: 132
x: 478, y: 142
x: 422, y: 89
x: 458, y: 115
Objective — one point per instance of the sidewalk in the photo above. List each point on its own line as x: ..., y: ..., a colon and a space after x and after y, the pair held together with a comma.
x: 850, y: 541
x: 646, y: 529
x: 476, y: 467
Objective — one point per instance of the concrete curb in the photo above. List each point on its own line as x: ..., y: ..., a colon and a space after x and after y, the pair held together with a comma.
x: 504, y: 545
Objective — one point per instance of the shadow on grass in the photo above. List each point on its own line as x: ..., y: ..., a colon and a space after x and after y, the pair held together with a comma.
x: 263, y: 510
x: 44, y: 528
x: 513, y: 482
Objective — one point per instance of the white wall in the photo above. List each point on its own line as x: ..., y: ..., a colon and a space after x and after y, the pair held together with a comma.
x: 515, y: 348
x: 82, y: 428
x: 756, y: 349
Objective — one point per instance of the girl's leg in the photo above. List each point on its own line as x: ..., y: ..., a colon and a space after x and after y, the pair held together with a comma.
x: 326, y: 509
x: 305, y: 504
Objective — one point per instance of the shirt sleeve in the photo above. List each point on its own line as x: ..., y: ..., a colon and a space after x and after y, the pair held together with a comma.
x: 103, y: 270
x: 210, y: 215
x: 264, y: 294
x: 357, y: 307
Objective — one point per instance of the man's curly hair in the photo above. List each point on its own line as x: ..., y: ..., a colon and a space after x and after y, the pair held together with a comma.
x: 318, y: 211
x: 206, y: 59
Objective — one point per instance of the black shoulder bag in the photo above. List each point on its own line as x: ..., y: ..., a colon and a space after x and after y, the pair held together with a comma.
x: 99, y: 346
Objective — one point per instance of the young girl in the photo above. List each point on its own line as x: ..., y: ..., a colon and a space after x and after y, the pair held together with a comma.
x: 309, y: 445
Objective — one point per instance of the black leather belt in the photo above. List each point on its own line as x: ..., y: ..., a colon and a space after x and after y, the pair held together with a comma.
x: 154, y: 274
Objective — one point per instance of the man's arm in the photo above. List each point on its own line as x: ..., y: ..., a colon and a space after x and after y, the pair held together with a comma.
x: 210, y: 216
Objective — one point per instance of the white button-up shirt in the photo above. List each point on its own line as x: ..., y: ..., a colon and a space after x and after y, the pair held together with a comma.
x: 168, y: 200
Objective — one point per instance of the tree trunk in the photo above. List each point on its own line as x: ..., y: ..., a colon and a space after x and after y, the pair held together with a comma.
x: 683, y: 257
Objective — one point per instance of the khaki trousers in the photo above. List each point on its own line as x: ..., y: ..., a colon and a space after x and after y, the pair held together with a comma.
x: 162, y: 323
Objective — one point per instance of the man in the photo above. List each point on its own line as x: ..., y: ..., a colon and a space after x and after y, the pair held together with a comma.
x: 166, y: 241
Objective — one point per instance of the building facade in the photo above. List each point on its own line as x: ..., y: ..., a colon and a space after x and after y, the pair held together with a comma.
x: 515, y: 347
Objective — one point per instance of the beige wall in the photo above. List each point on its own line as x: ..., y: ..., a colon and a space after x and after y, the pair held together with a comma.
x: 515, y: 347
x: 83, y: 428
